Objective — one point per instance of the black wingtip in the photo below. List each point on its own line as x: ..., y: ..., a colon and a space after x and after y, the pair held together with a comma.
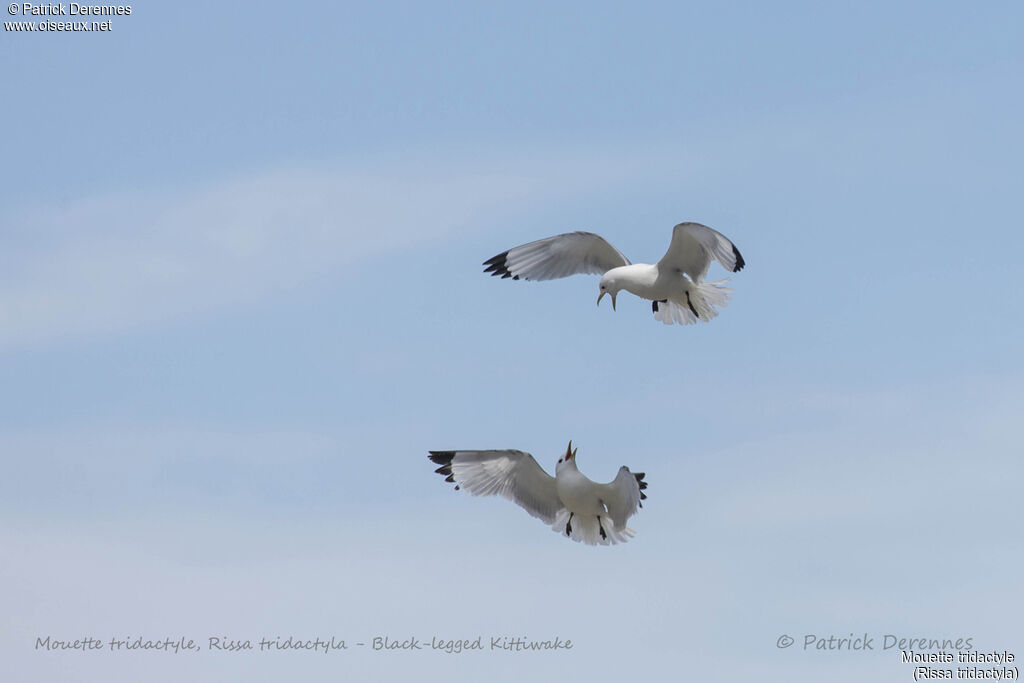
x: 642, y: 484
x: 498, y: 266
x: 739, y: 259
x: 442, y: 457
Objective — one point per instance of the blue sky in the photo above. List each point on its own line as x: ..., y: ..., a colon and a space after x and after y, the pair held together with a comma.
x: 240, y: 298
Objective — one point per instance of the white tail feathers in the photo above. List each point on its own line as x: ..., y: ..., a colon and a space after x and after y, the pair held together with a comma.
x: 587, y: 529
x: 698, y: 302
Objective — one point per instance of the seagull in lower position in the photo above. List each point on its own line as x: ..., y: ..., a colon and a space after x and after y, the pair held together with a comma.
x: 675, y: 284
x: 569, y: 502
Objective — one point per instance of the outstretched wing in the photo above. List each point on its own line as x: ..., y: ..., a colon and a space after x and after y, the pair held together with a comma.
x: 694, y: 246
x: 623, y: 494
x: 558, y: 256
x: 512, y: 474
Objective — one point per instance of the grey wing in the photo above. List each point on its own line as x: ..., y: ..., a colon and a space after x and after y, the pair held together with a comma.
x: 555, y: 257
x: 694, y: 246
x: 515, y: 475
x: 623, y: 495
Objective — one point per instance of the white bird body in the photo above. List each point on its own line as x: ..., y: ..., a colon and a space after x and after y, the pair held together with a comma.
x: 650, y: 282
x: 675, y: 284
x: 578, y: 493
x: 569, y: 502
x: 643, y: 279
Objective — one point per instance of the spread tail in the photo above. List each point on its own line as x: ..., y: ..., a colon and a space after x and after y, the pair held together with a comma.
x: 700, y: 301
x: 588, y: 529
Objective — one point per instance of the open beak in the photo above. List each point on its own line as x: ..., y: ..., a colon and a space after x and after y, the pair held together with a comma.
x: 602, y: 296
x: 569, y: 452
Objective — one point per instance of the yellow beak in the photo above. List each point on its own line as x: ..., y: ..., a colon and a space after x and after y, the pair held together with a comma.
x: 601, y: 296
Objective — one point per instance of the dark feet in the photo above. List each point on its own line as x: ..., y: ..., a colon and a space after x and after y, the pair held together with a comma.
x: 691, y: 305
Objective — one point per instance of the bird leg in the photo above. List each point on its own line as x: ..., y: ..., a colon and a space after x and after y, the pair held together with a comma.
x: 604, y: 536
x: 690, y: 304
x: 568, y: 526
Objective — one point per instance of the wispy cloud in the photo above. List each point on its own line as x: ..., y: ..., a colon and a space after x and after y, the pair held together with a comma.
x: 101, y: 265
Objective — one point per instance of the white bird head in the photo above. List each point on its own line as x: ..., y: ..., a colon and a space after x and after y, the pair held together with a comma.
x: 609, y: 285
x: 565, y: 460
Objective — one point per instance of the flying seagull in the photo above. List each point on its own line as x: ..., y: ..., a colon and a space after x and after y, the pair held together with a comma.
x: 572, y: 504
x: 674, y: 296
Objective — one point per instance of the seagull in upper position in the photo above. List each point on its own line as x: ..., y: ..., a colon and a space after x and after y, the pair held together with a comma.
x: 569, y: 502
x: 674, y: 296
